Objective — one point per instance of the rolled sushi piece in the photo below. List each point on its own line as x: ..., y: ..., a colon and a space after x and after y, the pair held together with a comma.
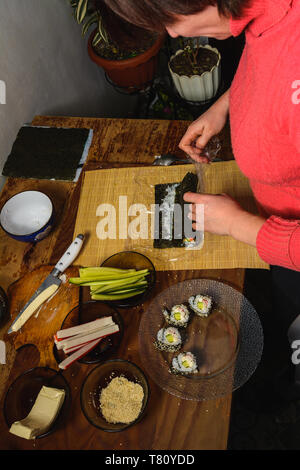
x: 201, y: 305
x: 179, y: 316
x: 189, y: 242
x: 168, y: 339
x: 185, y: 364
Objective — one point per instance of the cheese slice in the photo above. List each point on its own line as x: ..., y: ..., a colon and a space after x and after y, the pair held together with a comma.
x: 35, y: 304
x: 42, y: 415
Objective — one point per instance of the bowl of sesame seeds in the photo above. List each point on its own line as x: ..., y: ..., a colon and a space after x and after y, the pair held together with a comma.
x: 114, y: 395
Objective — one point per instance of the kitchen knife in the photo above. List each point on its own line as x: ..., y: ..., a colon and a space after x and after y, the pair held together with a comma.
x: 49, y: 286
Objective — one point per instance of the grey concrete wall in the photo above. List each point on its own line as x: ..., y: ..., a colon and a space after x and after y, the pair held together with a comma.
x: 46, y: 69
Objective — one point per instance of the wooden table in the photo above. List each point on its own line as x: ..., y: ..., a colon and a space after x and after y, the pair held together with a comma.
x: 170, y: 423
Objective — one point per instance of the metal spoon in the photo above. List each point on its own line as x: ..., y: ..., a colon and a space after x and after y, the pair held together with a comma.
x: 169, y: 159
x: 210, y: 151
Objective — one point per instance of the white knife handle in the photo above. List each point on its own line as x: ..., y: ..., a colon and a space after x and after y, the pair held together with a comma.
x: 71, y: 254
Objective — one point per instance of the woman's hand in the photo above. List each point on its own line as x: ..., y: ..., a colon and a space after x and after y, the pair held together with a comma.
x: 219, y: 212
x: 204, y: 128
x: 223, y: 216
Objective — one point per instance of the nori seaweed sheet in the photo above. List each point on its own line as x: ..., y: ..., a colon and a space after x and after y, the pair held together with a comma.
x: 46, y: 153
x: 188, y: 184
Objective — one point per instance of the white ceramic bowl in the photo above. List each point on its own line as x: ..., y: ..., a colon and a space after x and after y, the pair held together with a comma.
x: 28, y: 216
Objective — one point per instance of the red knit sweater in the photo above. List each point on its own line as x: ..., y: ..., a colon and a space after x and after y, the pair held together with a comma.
x: 265, y: 123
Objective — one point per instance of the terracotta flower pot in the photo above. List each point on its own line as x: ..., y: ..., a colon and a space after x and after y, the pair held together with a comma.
x: 198, y: 87
x: 129, y: 73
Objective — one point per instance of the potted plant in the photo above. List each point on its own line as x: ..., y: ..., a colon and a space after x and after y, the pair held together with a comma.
x: 196, y: 71
x: 127, y: 53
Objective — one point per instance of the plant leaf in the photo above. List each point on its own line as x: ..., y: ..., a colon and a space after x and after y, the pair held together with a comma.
x: 102, y: 30
x: 81, y: 10
x: 97, y: 39
x: 93, y: 19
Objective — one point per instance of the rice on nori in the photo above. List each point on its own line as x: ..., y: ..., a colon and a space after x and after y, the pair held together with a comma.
x: 169, y: 234
x: 201, y: 304
x: 168, y: 339
x: 179, y: 316
x: 184, y: 364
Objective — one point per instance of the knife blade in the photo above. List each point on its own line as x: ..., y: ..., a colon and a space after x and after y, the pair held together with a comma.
x: 49, y: 286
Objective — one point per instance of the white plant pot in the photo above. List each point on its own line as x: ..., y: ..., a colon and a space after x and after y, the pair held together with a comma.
x: 198, y: 87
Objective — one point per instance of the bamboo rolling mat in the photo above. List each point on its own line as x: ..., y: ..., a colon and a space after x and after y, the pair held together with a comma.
x: 136, y: 186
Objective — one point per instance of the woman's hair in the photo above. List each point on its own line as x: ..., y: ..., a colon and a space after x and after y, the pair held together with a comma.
x: 157, y: 14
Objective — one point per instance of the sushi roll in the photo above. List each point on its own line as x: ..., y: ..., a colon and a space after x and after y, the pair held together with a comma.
x: 185, y: 364
x: 189, y: 242
x: 201, y: 305
x: 179, y: 316
x: 168, y: 339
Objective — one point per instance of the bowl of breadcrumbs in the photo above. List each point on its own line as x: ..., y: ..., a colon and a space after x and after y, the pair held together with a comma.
x: 114, y: 395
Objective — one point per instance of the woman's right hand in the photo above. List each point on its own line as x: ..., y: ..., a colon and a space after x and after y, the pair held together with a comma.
x: 204, y: 128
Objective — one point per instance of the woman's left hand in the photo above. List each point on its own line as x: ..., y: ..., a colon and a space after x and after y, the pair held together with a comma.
x: 220, y: 212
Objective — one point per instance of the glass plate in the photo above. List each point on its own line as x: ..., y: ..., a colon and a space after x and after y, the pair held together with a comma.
x: 228, y: 344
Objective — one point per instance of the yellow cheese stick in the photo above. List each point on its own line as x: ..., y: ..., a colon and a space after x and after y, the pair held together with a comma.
x: 35, y: 304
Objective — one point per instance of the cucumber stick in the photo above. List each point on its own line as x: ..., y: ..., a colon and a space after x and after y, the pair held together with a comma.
x: 115, y: 285
x: 87, y: 272
x: 102, y: 279
x: 108, y: 297
x: 107, y: 283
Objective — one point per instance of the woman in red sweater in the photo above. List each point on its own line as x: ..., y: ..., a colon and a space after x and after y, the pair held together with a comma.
x: 264, y: 107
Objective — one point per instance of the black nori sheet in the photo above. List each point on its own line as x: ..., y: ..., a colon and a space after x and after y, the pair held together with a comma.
x: 188, y: 184
x: 46, y: 153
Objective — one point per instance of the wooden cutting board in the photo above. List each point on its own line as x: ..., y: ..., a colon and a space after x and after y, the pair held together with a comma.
x: 109, y: 194
x: 46, y: 321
